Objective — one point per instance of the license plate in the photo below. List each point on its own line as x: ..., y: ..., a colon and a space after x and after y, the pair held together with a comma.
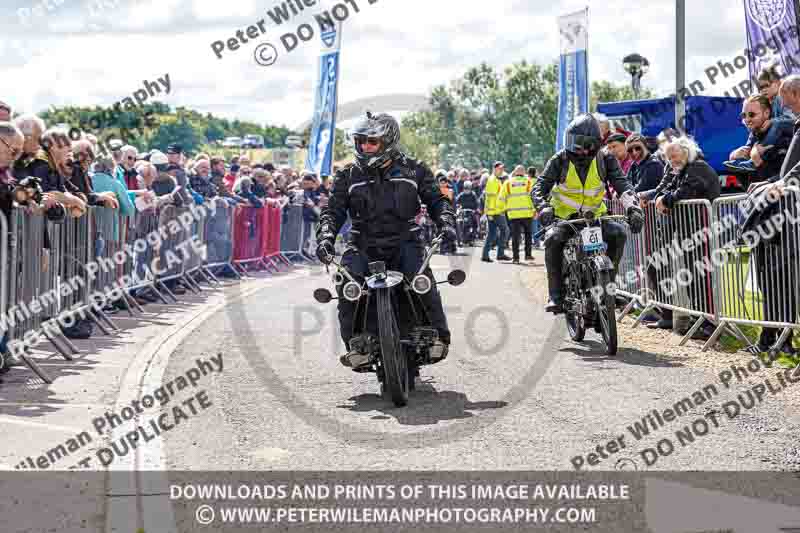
x: 592, y: 239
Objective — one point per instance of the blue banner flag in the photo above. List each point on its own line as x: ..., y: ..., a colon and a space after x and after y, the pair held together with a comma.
x: 323, y: 130
x: 573, y: 71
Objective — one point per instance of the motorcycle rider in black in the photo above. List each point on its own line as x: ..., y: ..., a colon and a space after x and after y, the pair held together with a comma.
x: 381, y: 192
x: 468, y: 200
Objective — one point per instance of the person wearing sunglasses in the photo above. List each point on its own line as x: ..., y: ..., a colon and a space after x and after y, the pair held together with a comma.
x: 11, y: 141
x: 125, y: 171
x: 646, y: 170
x: 381, y: 193
x: 767, y: 144
x: 574, y: 182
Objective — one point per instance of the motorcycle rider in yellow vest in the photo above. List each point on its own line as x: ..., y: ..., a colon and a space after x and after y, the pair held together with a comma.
x: 575, y: 179
x: 516, y: 193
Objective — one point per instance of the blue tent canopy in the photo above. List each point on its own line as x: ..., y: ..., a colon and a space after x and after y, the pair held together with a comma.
x: 713, y: 121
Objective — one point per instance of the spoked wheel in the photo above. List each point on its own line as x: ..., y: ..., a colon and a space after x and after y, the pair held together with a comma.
x: 575, y: 322
x: 395, y: 364
x: 606, y: 312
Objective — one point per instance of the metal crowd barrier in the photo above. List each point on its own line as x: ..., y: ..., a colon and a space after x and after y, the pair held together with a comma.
x: 757, y: 273
x: 61, y: 271
x: 219, y: 236
x: 676, y: 266
x: 630, y: 280
x: 248, y: 237
x: 693, y: 261
x: 272, y: 235
x: 292, y: 237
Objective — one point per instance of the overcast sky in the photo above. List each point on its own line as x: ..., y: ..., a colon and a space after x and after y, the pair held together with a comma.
x: 81, y: 55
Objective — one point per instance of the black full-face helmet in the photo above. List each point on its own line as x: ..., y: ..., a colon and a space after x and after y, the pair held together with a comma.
x: 381, y: 128
x: 583, y: 133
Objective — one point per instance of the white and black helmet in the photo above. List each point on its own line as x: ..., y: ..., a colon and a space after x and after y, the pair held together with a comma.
x: 383, y: 127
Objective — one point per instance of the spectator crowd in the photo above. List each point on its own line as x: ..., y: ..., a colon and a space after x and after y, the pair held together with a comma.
x: 45, y: 171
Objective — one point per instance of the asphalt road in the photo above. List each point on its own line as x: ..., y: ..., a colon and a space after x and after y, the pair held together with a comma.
x: 514, y: 394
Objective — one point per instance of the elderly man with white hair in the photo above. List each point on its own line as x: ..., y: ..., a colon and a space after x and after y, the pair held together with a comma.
x: 32, y: 127
x: 125, y: 172
x: 200, y: 179
x: 690, y: 178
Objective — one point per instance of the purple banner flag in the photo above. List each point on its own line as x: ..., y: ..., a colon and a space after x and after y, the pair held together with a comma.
x: 772, y: 35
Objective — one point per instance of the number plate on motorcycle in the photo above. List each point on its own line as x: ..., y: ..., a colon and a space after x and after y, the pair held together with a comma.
x: 592, y: 239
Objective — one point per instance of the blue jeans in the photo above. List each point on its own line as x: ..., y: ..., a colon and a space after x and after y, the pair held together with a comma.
x: 496, y: 234
x: 535, y: 228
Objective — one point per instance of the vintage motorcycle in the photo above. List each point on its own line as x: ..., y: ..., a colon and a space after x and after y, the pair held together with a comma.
x: 589, y: 296
x: 467, y: 227
x: 391, y: 322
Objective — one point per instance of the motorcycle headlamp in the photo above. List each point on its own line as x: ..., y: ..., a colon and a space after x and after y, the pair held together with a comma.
x: 351, y: 292
x: 421, y: 284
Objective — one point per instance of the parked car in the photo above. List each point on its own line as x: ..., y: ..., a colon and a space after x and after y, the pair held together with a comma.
x: 253, y: 141
x: 232, y: 142
x: 294, y: 141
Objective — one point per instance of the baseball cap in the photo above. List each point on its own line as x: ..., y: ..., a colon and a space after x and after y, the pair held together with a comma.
x: 174, y: 148
x: 115, y: 144
x: 498, y: 164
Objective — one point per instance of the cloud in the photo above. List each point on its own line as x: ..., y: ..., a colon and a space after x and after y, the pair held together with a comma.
x: 85, y: 56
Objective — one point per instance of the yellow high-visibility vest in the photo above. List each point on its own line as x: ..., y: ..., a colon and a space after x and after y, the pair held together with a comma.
x: 573, y: 196
x: 493, y: 206
x: 517, y: 195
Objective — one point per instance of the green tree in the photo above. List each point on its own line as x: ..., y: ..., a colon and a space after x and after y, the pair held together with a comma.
x: 604, y: 91
x: 177, y: 131
x: 487, y: 115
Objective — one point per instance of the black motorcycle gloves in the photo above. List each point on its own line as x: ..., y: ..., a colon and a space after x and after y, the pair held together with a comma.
x: 635, y: 218
x: 326, y: 251
x: 546, y: 216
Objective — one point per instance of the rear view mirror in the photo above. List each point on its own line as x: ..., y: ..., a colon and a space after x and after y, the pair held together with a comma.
x: 323, y: 296
x: 456, y: 277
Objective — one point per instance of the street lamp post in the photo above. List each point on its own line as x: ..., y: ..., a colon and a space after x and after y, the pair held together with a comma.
x: 637, y: 66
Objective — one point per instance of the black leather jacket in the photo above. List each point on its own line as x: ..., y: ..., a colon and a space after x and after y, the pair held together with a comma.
x: 383, y: 203
x: 467, y: 200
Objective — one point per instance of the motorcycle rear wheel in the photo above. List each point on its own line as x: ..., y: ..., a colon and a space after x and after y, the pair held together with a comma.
x: 576, y: 325
x: 395, y: 364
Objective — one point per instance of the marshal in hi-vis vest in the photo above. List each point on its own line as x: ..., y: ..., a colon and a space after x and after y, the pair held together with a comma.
x: 571, y: 196
x: 517, y: 194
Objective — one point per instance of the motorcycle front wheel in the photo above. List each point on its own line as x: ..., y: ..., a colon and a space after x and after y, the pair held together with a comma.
x: 606, y: 312
x: 395, y: 365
